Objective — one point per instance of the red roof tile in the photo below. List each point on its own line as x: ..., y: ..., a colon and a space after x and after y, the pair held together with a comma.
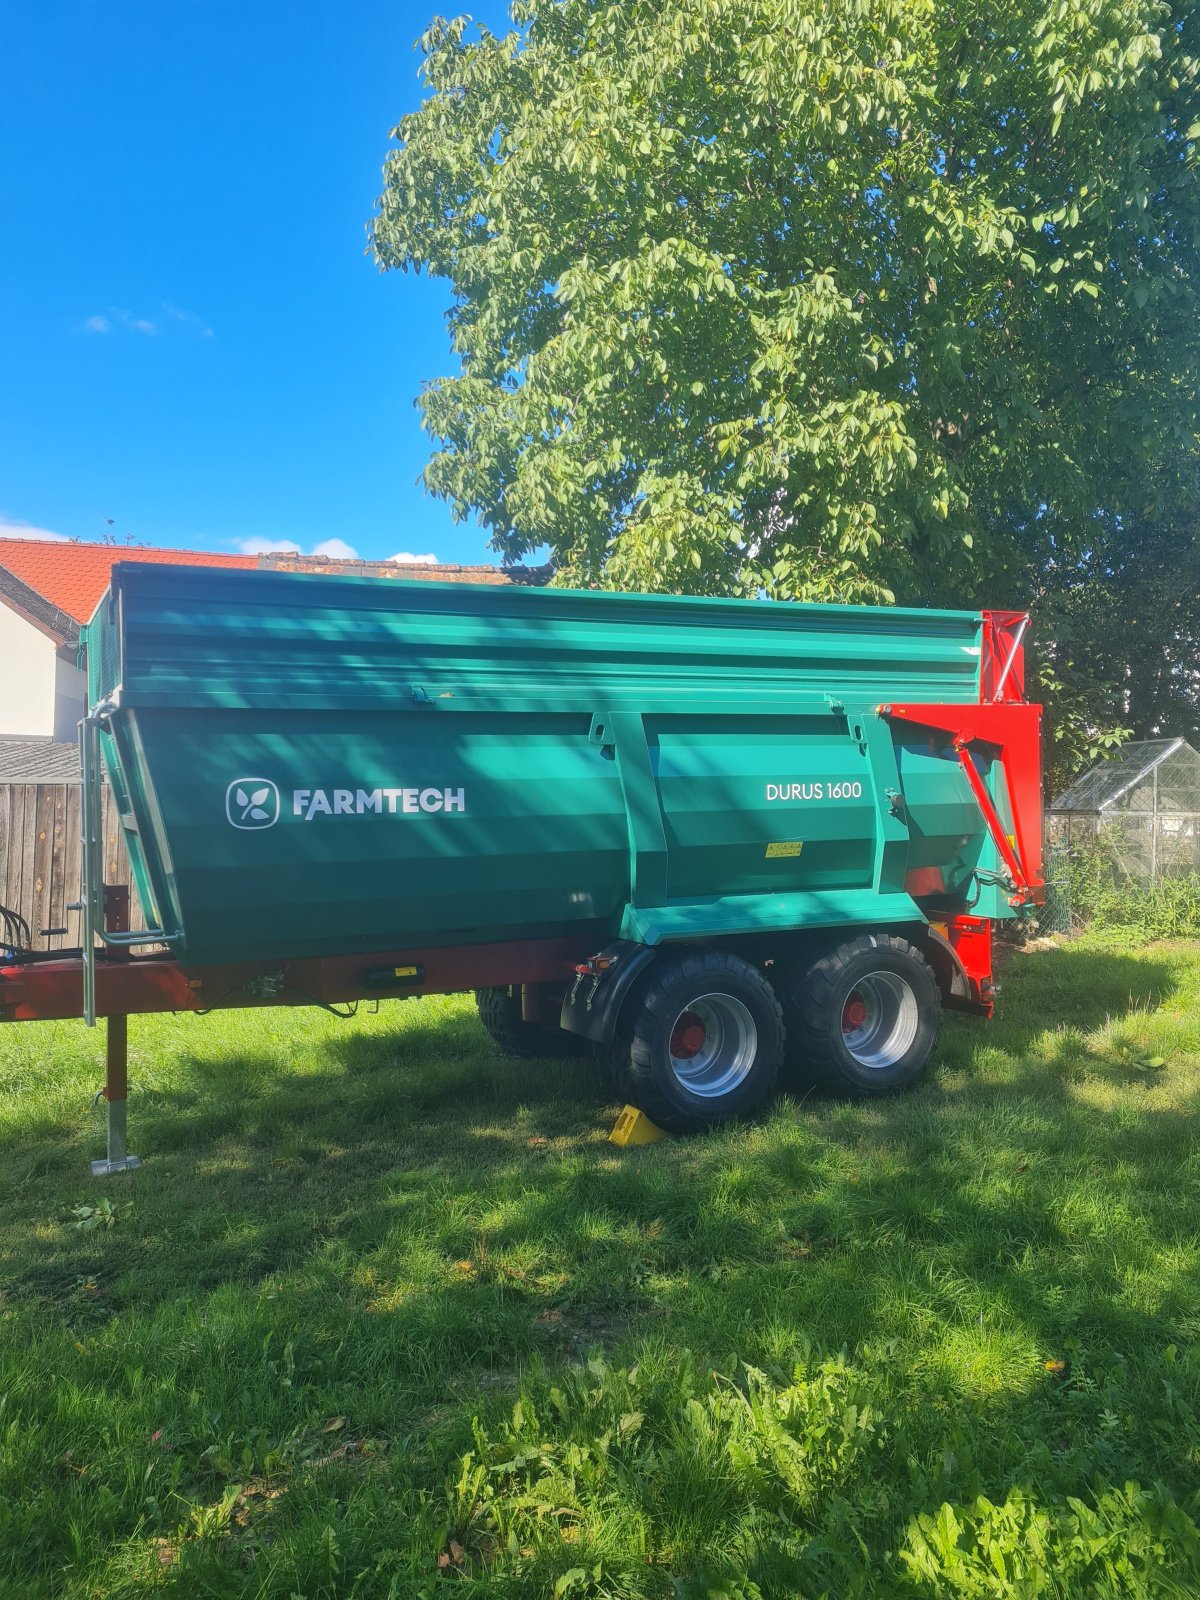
x: 73, y: 576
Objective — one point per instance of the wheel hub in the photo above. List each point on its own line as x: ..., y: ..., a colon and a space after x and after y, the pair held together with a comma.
x: 687, y: 1037
x: 854, y: 1013
x: 880, y: 1018
x: 713, y: 1045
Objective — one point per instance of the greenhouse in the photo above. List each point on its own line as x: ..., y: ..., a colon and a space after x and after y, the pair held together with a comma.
x: 1142, y: 805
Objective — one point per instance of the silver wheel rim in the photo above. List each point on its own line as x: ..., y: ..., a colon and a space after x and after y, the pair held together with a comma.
x: 712, y: 1045
x: 880, y: 1018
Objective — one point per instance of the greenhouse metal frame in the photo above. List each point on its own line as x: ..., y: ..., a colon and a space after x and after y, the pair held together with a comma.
x: 1141, y: 805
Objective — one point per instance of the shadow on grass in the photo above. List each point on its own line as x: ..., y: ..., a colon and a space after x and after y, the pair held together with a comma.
x: 410, y: 1150
x: 1076, y: 988
x: 411, y: 1225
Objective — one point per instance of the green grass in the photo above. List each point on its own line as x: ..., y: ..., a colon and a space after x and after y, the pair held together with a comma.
x: 385, y: 1315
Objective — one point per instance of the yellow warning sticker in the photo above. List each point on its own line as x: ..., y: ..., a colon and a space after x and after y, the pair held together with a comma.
x: 784, y: 847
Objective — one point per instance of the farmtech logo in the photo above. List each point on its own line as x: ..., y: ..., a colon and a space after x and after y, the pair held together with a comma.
x: 252, y: 803
x: 313, y: 803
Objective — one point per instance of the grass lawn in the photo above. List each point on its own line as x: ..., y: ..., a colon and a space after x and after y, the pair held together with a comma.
x: 385, y: 1315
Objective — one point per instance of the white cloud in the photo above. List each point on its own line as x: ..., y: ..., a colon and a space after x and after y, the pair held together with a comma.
x: 189, y: 319
x: 12, y: 529
x: 118, y: 320
x: 115, y: 318
x: 266, y: 547
x: 336, y: 550
x: 405, y: 558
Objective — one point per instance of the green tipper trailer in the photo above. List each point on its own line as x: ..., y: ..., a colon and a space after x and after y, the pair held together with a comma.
x: 694, y: 836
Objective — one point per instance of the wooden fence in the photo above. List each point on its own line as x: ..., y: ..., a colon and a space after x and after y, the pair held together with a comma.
x: 40, y: 858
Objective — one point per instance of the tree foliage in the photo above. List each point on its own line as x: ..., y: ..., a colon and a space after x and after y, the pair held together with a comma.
x: 1118, y: 636
x: 837, y: 299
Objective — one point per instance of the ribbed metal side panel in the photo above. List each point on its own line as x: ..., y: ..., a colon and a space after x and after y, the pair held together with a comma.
x: 102, y: 639
x: 195, y: 637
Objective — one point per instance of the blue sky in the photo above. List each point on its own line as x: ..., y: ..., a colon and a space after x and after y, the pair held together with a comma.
x: 193, y: 343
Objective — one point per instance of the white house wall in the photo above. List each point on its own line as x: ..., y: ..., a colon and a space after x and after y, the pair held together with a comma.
x: 28, y: 678
x: 70, y: 700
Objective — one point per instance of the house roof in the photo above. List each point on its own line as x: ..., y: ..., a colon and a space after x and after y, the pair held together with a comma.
x: 60, y: 582
x: 38, y: 761
x: 71, y: 576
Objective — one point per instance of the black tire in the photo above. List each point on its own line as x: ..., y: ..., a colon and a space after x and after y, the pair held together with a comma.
x: 864, y: 1018
x: 611, y: 1062
x: 500, y: 1013
x: 700, y: 1041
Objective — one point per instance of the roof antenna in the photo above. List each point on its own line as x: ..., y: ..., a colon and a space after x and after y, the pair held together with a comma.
x: 106, y: 537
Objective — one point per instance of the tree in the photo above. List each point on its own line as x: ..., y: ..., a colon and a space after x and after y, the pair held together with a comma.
x: 845, y: 299
x: 1119, y: 638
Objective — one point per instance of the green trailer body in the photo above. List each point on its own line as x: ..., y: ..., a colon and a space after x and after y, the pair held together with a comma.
x: 316, y: 765
x: 703, y: 841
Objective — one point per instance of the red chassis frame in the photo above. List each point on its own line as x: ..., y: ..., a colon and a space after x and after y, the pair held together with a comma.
x: 41, y: 990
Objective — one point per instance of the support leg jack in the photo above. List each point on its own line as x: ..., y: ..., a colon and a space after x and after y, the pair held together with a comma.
x: 116, y: 1052
x: 116, y: 1095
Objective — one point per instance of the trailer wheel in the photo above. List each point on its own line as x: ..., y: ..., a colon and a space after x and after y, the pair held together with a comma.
x: 500, y: 1013
x: 865, y: 1017
x: 611, y: 1062
x: 700, y: 1041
